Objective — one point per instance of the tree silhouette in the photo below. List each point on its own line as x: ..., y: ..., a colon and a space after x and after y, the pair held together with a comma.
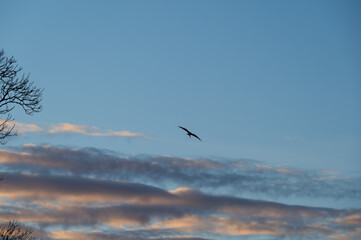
x: 15, y: 91
x: 14, y: 231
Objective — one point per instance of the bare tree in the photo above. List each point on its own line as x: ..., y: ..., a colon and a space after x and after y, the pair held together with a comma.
x: 14, y: 231
x: 15, y: 91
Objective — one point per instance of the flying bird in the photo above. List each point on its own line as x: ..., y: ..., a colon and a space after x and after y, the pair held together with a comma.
x: 190, y: 133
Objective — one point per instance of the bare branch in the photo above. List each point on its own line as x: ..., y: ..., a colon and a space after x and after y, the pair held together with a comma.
x: 7, y: 129
x: 14, y: 231
x: 15, y: 91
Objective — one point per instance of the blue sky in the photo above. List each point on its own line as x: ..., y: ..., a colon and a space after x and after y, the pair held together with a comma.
x: 276, y: 83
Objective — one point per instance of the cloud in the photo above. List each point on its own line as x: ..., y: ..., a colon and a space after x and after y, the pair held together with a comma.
x: 64, y: 192
x: 61, y: 128
x: 87, y: 202
x: 221, y: 225
x: 340, y: 236
x: 90, y: 131
x: 352, y: 219
x: 125, y: 235
x: 211, y: 175
x: 78, y: 189
x: 90, y: 190
x: 23, y: 127
x: 67, y: 127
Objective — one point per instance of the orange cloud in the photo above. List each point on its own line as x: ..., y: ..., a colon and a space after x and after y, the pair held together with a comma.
x: 67, y: 127
x: 72, y: 128
x: 21, y: 128
x: 68, y: 235
x: 24, y: 127
x: 90, y: 131
x: 218, y: 225
x: 352, y: 219
x: 339, y: 236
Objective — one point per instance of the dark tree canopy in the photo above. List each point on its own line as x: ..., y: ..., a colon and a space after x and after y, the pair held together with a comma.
x: 14, y: 231
x: 15, y: 91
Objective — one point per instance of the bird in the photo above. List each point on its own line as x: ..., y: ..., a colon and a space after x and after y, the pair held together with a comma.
x: 190, y: 133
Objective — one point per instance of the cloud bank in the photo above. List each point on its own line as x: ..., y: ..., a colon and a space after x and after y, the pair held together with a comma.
x: 211, y: 175
x: 65, y: 192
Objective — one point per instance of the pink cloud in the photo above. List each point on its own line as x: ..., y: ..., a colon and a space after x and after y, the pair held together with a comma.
x: 59, y: 128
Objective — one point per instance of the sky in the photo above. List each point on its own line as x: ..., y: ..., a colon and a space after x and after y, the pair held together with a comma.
x: 273, y: 89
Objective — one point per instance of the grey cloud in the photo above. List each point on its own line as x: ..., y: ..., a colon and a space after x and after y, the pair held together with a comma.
x: 70, y: 201
x: 149, y: 201
x: 50, y: 186
x: 129, y: 235
x: 237, y: 176
x: 133, y: 215
x: 80, y: 188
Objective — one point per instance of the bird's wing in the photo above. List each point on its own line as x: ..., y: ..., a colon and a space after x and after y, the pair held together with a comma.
x: 183, y: 128
x: 196, y: 136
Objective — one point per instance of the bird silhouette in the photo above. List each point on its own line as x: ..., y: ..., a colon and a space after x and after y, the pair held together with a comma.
x: 190, y: 133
